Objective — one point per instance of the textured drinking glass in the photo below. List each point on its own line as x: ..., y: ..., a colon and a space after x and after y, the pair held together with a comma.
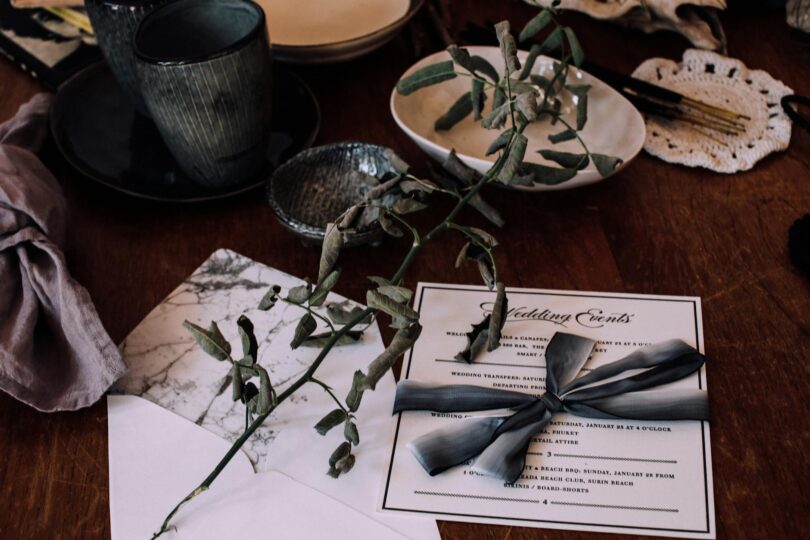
x: 205, y: 75
x: 114, y: 23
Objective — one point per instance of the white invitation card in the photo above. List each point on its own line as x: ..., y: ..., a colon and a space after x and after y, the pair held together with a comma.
x: 634, y: 477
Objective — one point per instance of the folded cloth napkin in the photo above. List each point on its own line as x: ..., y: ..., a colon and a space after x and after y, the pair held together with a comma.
x: 54, y: 352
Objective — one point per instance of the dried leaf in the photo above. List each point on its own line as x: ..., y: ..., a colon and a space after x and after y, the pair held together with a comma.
x: 476, y: 340
x: 250, y: 347
x: 605, y: 164
x: 332, y: 244
x: 535, y: 25
x: 460, y: 170
x: 266, y: 398
x: 403, y: 340
x: 508, y: 46
x: 355, y: 395
x: 550, y: 176
x: 210, y: 341
x: 496, y: 117
x: 340, y: 315
x: 304, y: 329
x: 462, y: 255
x: 343, y: 466
x: 486, y: 271
x: 482, y: 65
x: 460, y: 56
x: 517, y: 151
x: 408, y: 206
x: 487, y: 210
x: 552, y: 42
x: 323, y: 288
x: 389, y: 226
x: 320, y: 340
x: 566, y: 159
x: 526, y: 104
x: 339, y: 453
x: 482, y: 236
x: 582, y: 111
x: 562, y: 136
x: 397, y: 162
x: 478, y: 98
x: 383, y: 303
x: 528, y: 65
x: 334, y: 418
x: 396, y: 293
x: 350, y: 433
x: 270, y: 298
x: 498, y: 318
x: 500, y: 142
x: 455, y: 114
x: 426, y: 76
x: 422, y: 185
x: 379, y: 281
x: 236, y: 383
x: 299, y: 294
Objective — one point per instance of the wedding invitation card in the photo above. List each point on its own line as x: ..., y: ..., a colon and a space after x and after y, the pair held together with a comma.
x: 638, y: 477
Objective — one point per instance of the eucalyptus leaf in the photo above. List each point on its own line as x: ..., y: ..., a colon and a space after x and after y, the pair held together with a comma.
x: 334, y: 418
x: 482, y: 236
x: 508, y: 46
x: 462, y: 255
x: 486, y: 271
x: 578, y: 89
x: 300, y: 293
x: 403, y: 340
x: 517, y: 151
x: 459, y: 110
x: 535, y: 25
x: 379, y: 281
x: 562, y: 136
x: 340, y: 315
x: 528, y: 65
x: 496, y: 117
x: 460, y: 170
x: 500, y: 141
x: 236, y: 383
x: 498, y: 97
x: 582, y: 111
x: 482, y: 65
x: 212, y: 343
x: 250, y: 347
x: 339, y: 453
x: 345, y: 464
x: 304, y: 329
x: 553, y: 41
x: 350, y: 432
x: 320, y: 340
x: 461, y: 56
x: 383, y: 303
x: 487, y: 210
x: 497, y: 318
x: 355, y: 395
x: 421, y: 185
x: 476, y: 341
x: 573, y: 43
x: 526, y: 104
x: 550, y: 176
x: 270, y: 298
x: 250, y: 393
x: 566, y: 159
x: 396, y: 293
x: 543, y: 82
x: 605, y: 164
x: 323, y: 288
x: 266, y: 398
x: 478, y: 98
x: 426, y: 76
x: 378, y: 191
x: 332, y: 244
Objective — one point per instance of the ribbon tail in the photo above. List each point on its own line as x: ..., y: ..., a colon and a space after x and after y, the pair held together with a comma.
x: 505, y: 458
x: 417, y: 396
x: 447, y: 447
x: 681, y: 404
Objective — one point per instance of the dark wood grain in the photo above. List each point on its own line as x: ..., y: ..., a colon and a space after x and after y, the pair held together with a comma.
x: 654, y: 228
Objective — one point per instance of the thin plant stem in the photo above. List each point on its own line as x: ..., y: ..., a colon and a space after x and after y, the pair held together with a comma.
x: 329, y: 391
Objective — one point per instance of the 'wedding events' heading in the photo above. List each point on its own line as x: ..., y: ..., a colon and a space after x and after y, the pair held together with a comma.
x: 591, y: 318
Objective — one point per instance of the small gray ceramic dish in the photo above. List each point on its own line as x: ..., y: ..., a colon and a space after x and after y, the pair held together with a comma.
x: 316, y: 186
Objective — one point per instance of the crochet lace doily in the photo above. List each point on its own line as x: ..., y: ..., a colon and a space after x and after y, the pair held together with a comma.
x: 724, y: 82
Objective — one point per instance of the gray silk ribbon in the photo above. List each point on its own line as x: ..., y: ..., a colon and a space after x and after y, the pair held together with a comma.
x: 608, y: 392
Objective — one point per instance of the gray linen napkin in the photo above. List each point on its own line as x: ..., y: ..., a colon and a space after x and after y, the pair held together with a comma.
x: 54, y: 352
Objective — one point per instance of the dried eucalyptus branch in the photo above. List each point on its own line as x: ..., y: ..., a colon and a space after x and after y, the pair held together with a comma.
x: 515, y: 97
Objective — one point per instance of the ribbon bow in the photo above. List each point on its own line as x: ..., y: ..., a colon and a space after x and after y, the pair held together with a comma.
x: 606, y: 392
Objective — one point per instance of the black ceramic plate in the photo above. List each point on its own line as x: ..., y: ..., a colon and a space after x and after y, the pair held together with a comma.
x: 96, y: 129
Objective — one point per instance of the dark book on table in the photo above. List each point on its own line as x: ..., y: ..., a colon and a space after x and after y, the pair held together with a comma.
x: 44, y: 44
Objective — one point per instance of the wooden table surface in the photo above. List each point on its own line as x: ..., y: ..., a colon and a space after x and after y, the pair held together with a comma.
x: 654, y: 228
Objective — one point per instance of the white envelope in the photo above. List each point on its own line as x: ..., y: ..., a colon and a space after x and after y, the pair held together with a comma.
x: 157, y: 456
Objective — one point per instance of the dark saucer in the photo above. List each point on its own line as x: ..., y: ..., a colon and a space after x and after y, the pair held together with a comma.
x: 96, y: 128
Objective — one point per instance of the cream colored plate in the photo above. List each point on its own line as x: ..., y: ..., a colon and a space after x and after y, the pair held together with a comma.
x: 614, y: 126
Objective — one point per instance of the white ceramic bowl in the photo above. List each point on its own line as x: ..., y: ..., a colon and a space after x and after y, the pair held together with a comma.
x: 614, y: 126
